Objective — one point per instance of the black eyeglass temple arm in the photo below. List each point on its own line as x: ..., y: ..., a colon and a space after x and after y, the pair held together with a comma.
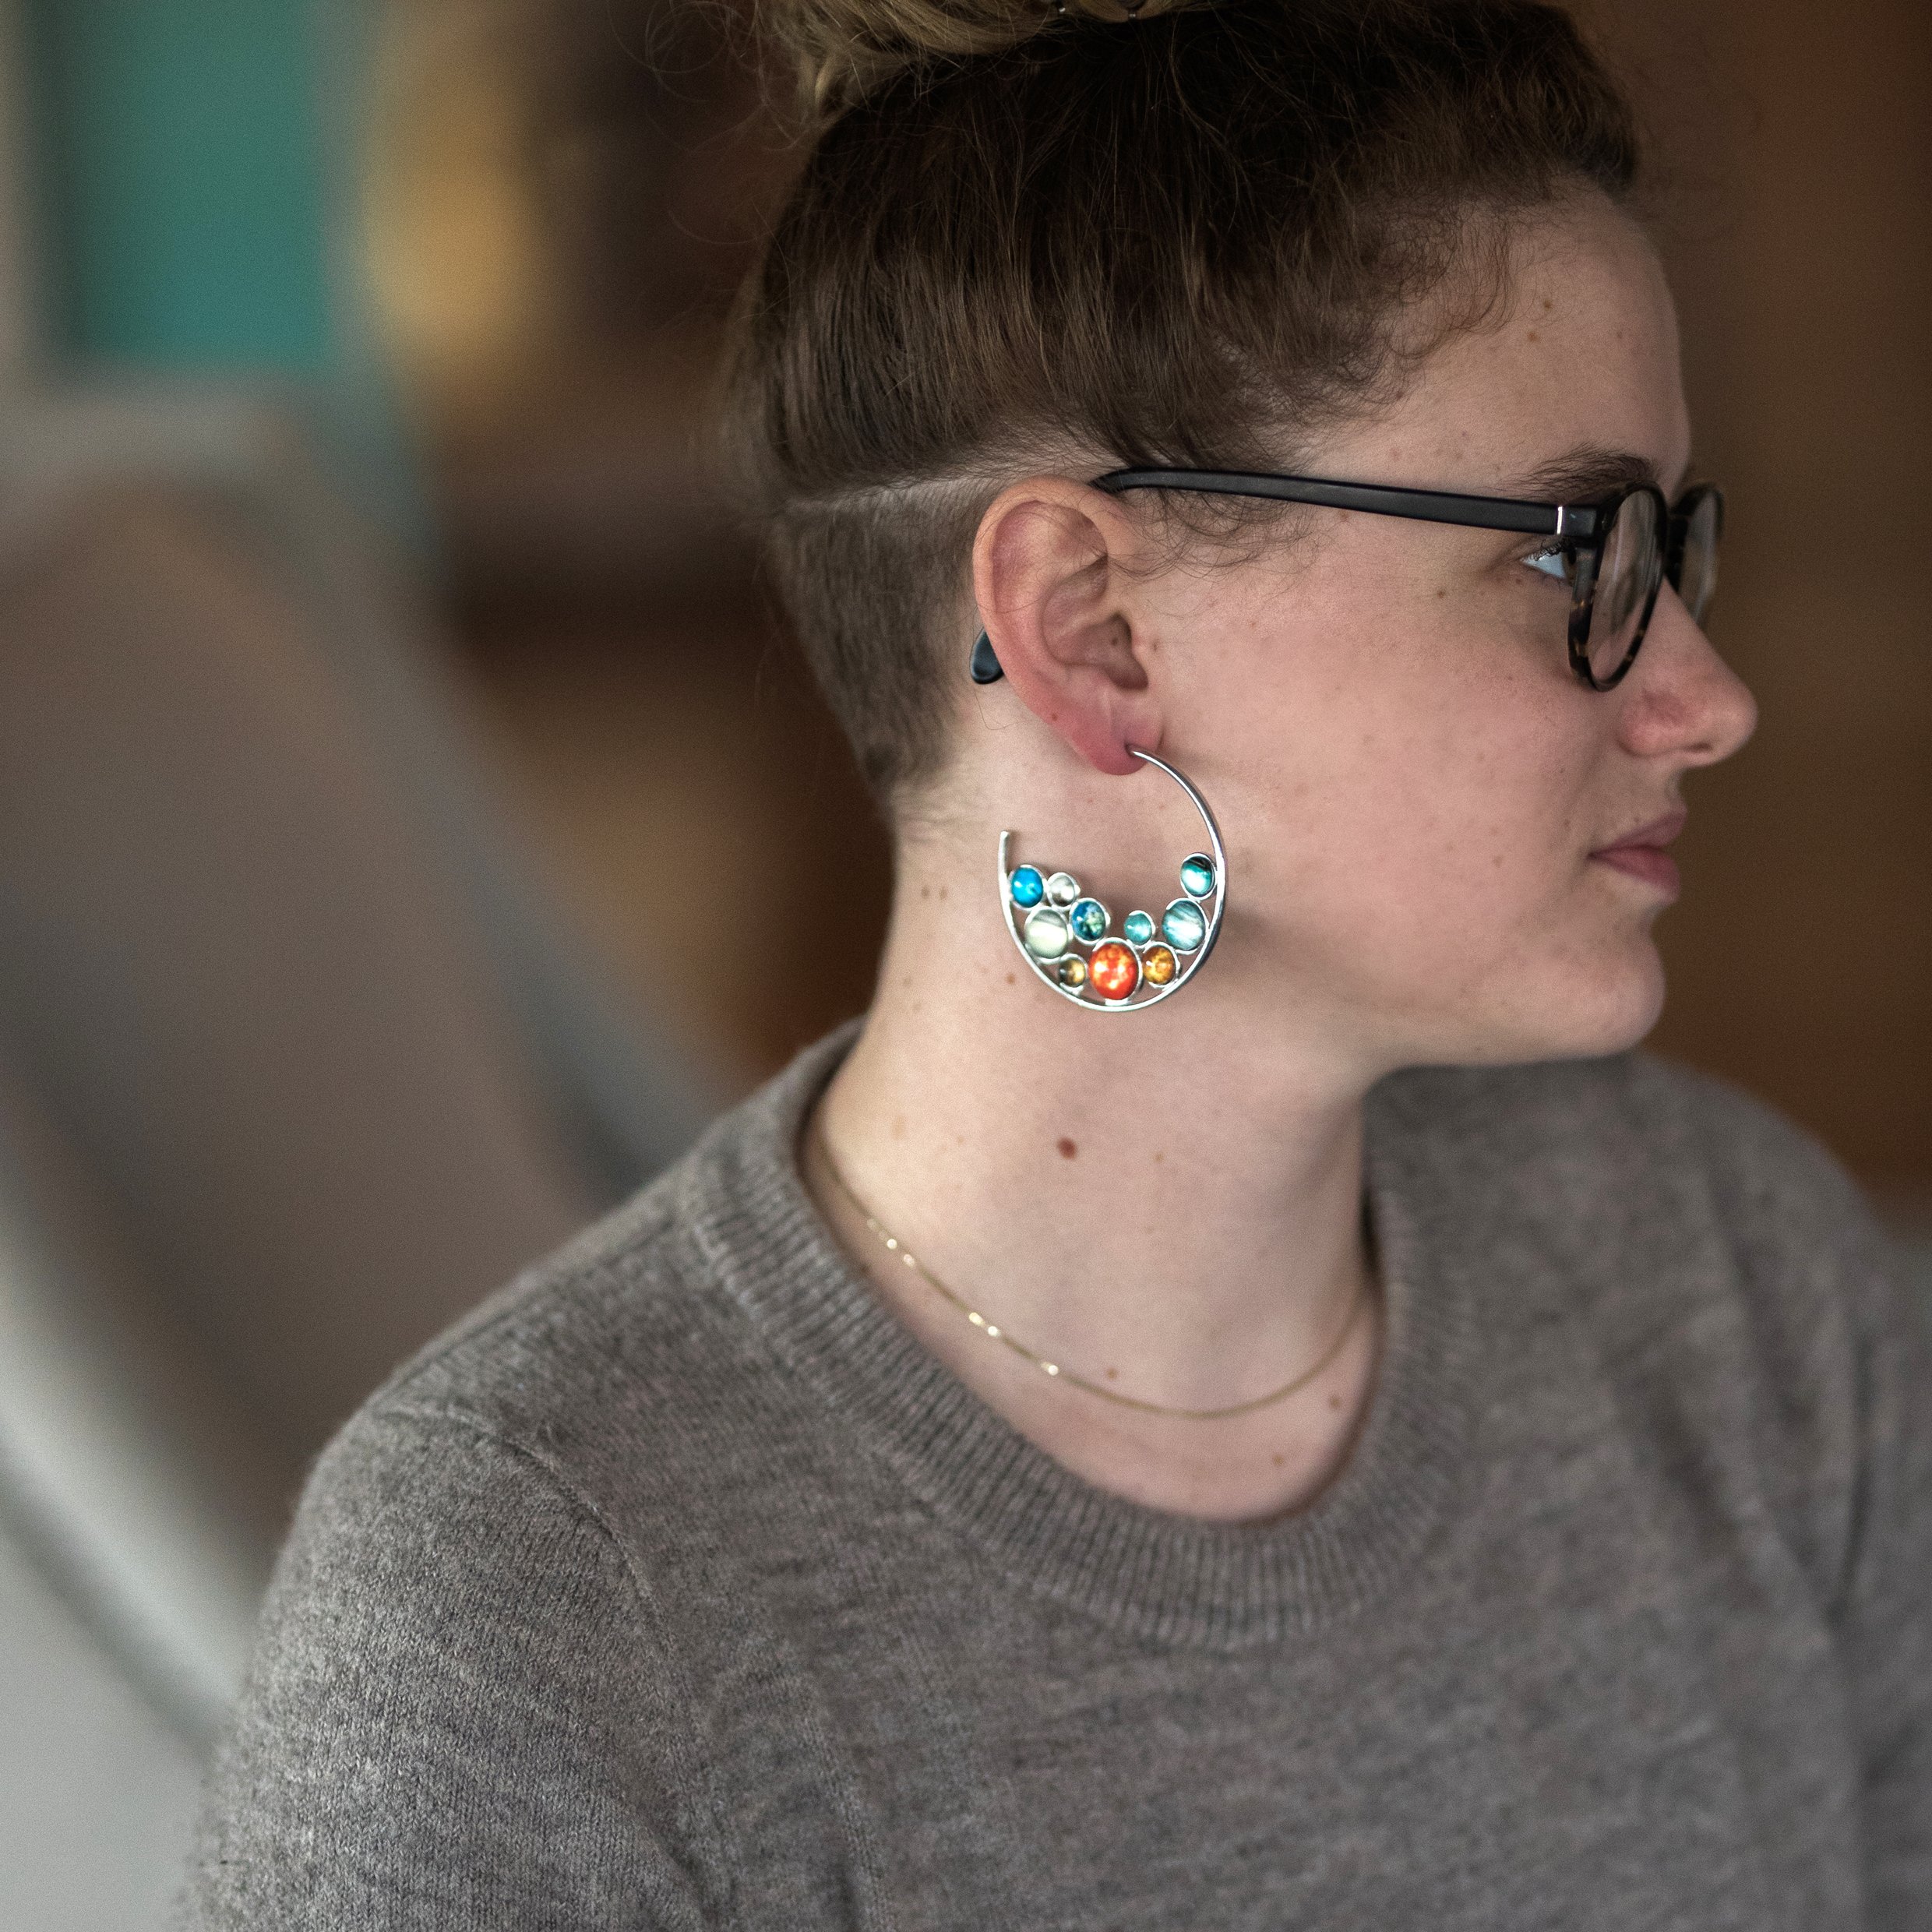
x: 1576, y: 521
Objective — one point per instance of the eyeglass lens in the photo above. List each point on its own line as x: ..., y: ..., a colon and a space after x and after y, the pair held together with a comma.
x: 1632, y: 562
x: 1697, y: 573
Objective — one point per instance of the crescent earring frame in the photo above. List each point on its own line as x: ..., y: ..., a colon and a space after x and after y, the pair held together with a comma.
x: 1031, y: 895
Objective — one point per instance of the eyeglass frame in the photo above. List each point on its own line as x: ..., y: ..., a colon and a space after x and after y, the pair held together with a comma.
x: 1583, y: 527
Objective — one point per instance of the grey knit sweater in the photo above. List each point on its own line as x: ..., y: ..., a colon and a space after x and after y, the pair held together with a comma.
x: 677, y: 1586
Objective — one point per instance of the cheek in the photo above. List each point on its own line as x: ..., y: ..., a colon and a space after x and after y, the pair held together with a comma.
x: 1409, y: 813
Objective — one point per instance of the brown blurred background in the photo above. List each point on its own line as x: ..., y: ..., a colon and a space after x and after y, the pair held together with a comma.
x: 562, y: 196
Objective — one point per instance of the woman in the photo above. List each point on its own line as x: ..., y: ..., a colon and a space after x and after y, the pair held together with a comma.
x: 1325, y: 1434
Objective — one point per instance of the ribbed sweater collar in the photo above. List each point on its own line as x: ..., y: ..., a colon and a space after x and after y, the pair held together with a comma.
x: 1156, y: 1576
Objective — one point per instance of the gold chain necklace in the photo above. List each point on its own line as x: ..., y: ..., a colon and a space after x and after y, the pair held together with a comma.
x: 993, y: 1332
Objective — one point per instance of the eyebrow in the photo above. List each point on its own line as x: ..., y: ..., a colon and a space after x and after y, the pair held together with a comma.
x: 1592, y: 469
x: 1589, y: 470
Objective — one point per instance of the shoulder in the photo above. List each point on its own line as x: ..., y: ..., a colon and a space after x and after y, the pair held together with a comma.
x: 473, y: 1484
x: 629, y: 1370
x: 468, y: 1657
x: 1731, y: 1273
x: 420, y: 1737
x: 1667, y: 1181
x: 458, y: 1707
x: 1674, y: 1141
x: 623, y: 1315
x: 609, y: 1364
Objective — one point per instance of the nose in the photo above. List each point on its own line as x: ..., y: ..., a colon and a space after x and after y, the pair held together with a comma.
x: 1681, y: 699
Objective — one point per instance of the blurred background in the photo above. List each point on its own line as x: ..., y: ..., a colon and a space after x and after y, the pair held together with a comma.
x: 379, y: 664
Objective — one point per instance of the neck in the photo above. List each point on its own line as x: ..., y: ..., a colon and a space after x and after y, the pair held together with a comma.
x: 1168, y: 1200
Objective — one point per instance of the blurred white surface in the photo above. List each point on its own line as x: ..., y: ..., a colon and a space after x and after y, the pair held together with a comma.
x: 119, y: 1481
x: 96, y: 1794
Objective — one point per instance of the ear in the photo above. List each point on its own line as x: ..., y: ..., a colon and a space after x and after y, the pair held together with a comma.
x: 1057, y: 606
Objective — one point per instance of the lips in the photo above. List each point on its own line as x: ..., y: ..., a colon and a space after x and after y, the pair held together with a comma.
x: 1640, y: 854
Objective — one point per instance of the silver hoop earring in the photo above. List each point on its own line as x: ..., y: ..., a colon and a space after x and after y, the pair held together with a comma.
x: 1065, y: 936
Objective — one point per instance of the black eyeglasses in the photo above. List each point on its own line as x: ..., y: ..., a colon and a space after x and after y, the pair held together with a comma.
x: 1615, y: 551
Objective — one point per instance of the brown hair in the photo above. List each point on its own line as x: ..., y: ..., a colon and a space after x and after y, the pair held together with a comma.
x: 1185, y: 237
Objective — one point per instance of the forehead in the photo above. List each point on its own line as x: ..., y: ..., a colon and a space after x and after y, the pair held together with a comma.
x: 1581, y: 354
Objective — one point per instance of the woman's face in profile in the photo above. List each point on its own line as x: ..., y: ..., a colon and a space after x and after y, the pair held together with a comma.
x: 1416, y: 785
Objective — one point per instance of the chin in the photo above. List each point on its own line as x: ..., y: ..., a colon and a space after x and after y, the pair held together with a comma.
x: 1610, y: 1016
x: 1563, y: 1014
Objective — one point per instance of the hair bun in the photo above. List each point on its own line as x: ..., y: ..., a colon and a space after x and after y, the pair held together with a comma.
x: 846, y: 49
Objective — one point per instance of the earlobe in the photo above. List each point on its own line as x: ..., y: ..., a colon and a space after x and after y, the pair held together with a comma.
x: 1046, y: 577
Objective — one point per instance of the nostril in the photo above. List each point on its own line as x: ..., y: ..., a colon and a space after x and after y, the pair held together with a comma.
x: 1726, y: 711
x: 1684, y: 701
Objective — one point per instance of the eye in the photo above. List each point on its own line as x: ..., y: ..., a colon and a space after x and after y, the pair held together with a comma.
x: 1553, y: 561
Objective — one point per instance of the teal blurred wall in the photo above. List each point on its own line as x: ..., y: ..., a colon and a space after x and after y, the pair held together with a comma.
x: 195, y: 166
x: 182, y: 168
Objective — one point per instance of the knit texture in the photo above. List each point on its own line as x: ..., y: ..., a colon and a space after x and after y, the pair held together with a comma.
x: 677, y: 1586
